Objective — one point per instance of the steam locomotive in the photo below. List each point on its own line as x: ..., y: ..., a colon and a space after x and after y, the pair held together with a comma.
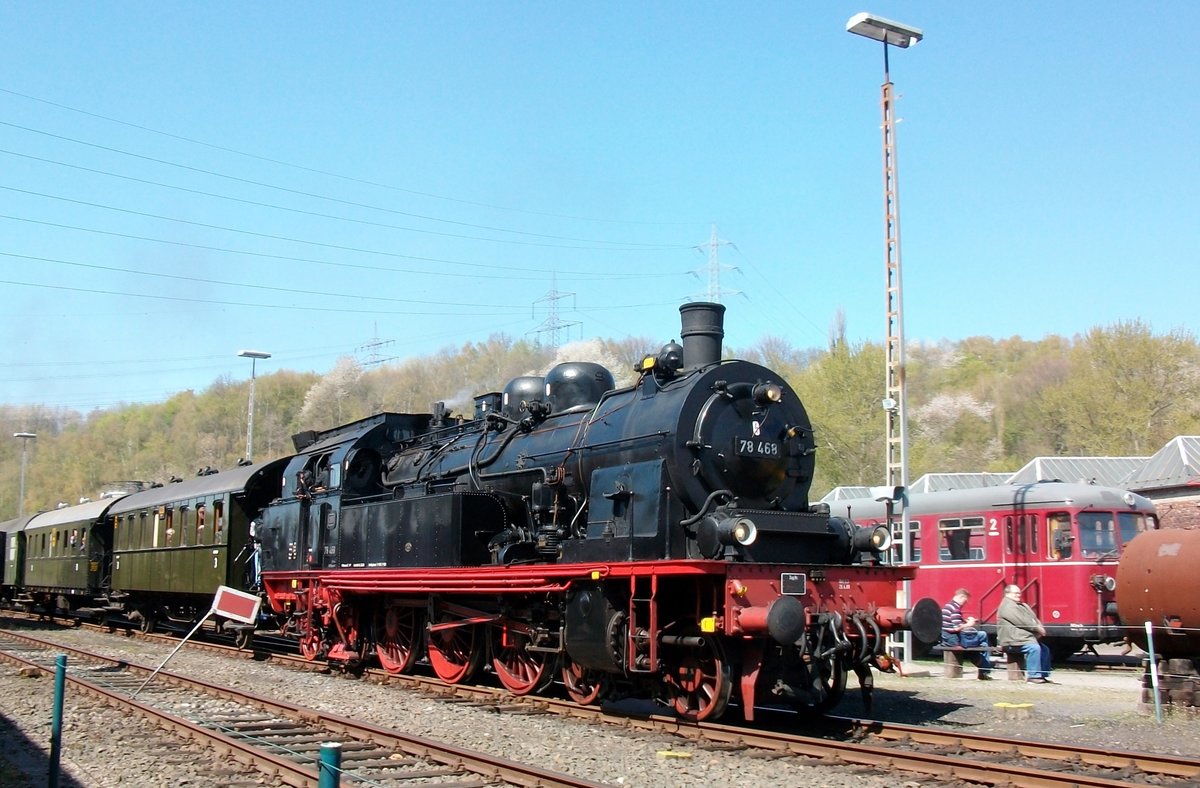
x: 655, y: 540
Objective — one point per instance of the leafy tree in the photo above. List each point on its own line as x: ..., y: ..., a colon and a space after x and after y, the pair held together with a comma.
x: 1127, y: 392
x: 331, y: 399
x: 977, y: 404
x: 841, y: 392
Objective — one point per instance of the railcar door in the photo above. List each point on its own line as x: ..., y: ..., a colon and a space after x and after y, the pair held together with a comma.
x: 1020, y: 550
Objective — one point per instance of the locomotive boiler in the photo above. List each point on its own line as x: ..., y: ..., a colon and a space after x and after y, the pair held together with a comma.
x: 651, y: 539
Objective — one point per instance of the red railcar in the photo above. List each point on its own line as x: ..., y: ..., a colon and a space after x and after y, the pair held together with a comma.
x: 1059, y: 541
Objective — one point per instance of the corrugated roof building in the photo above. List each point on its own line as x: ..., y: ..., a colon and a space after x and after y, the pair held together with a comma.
x: 1106, y: 471
x: 1171, y: 478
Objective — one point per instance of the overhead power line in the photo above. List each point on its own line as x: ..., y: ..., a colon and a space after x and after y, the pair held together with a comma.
x: 606, y: 245
x: 339, y: 176
x: 359, y: 266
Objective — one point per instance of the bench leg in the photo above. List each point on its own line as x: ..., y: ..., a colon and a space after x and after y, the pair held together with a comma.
x: 951, y: 665
x: 1016, y: 666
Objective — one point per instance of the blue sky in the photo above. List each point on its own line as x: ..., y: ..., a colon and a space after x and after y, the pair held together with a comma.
x: 181, y: 181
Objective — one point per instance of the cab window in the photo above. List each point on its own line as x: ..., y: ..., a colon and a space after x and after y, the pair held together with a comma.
x: 1133, y: 523
x: 1097, y: 534
x: 1060, y: 541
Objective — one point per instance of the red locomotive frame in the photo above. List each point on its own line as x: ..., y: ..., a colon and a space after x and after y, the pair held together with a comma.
x: 459, y: 618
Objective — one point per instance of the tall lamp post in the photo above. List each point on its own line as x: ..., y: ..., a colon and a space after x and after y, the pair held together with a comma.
x: 254, y: 356
x: 25, y: 438
x: 895, y: 404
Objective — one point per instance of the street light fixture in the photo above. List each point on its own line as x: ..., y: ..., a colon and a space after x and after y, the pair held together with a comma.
x: 25, y: 438
x: 895, y: 401
x: 254, y: 356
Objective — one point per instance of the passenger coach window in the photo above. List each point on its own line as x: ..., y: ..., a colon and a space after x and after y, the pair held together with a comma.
x: 961, y: 539
x: 914, y: 540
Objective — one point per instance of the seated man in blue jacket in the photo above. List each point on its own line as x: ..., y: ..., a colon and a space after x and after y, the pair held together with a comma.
x: 959, y: 631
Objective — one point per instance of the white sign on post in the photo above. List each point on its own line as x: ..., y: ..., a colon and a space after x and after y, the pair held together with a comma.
x: 237, y: 605
x: 228, y: 602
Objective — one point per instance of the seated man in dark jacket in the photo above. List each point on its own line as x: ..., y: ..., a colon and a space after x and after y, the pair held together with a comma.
x: 958, y: 631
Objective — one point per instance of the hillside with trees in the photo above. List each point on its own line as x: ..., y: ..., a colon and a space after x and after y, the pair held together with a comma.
x: 979, y: 404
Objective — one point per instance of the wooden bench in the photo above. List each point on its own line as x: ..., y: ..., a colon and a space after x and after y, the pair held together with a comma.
x: 952, y: 659
x: 1016, y: 663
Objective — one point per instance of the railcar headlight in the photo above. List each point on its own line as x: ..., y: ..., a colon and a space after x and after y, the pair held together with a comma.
x: 877, y: 539
x: 767, y: 393
x: 1103, y: 583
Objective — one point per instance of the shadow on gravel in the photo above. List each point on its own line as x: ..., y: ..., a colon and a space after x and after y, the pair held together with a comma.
x: 23, y: 762
x: 899, y: 706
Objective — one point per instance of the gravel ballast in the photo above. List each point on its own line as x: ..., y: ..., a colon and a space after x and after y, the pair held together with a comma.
x: 102, y: 747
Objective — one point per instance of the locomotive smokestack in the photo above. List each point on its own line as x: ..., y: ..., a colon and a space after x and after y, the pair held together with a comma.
x: 703, y: 330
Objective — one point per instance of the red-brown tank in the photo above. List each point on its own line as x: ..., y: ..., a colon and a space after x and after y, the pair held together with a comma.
x: 1159, y: 581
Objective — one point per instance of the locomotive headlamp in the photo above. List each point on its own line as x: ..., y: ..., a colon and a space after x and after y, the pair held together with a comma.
x: 716, y: 531
x: 1104, y: 583
x: 767, y: 393
x: 877, y: 539
x: 744, y: 532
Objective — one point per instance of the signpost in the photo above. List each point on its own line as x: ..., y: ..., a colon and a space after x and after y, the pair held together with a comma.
x: 228, y: 603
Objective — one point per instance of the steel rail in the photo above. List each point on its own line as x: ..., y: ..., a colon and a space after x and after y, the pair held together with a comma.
x: 491, y: 767
x: 1072, y: 757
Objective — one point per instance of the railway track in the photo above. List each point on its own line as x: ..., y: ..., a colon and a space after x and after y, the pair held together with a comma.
x: 282, y: 740
x: 929, y: 752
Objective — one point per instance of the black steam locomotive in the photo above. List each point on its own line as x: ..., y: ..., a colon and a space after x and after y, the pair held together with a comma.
x: 653, y: 539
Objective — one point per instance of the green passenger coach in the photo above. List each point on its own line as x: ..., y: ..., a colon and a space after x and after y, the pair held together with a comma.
x: 174, y: 545
x: 66, y: 555
x: 12, y: 564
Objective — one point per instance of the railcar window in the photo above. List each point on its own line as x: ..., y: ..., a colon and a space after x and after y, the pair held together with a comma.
x: 1133, y: 523
x: 1097, y: 534
x: 218, y: 522
x: 962, y: 539
x: 1059, y: 539
x: 202, y: 537
x: 914, y: 540
x: 141, y: 537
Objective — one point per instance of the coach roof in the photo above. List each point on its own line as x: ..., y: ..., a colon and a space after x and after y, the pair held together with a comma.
x: 234, y: 480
